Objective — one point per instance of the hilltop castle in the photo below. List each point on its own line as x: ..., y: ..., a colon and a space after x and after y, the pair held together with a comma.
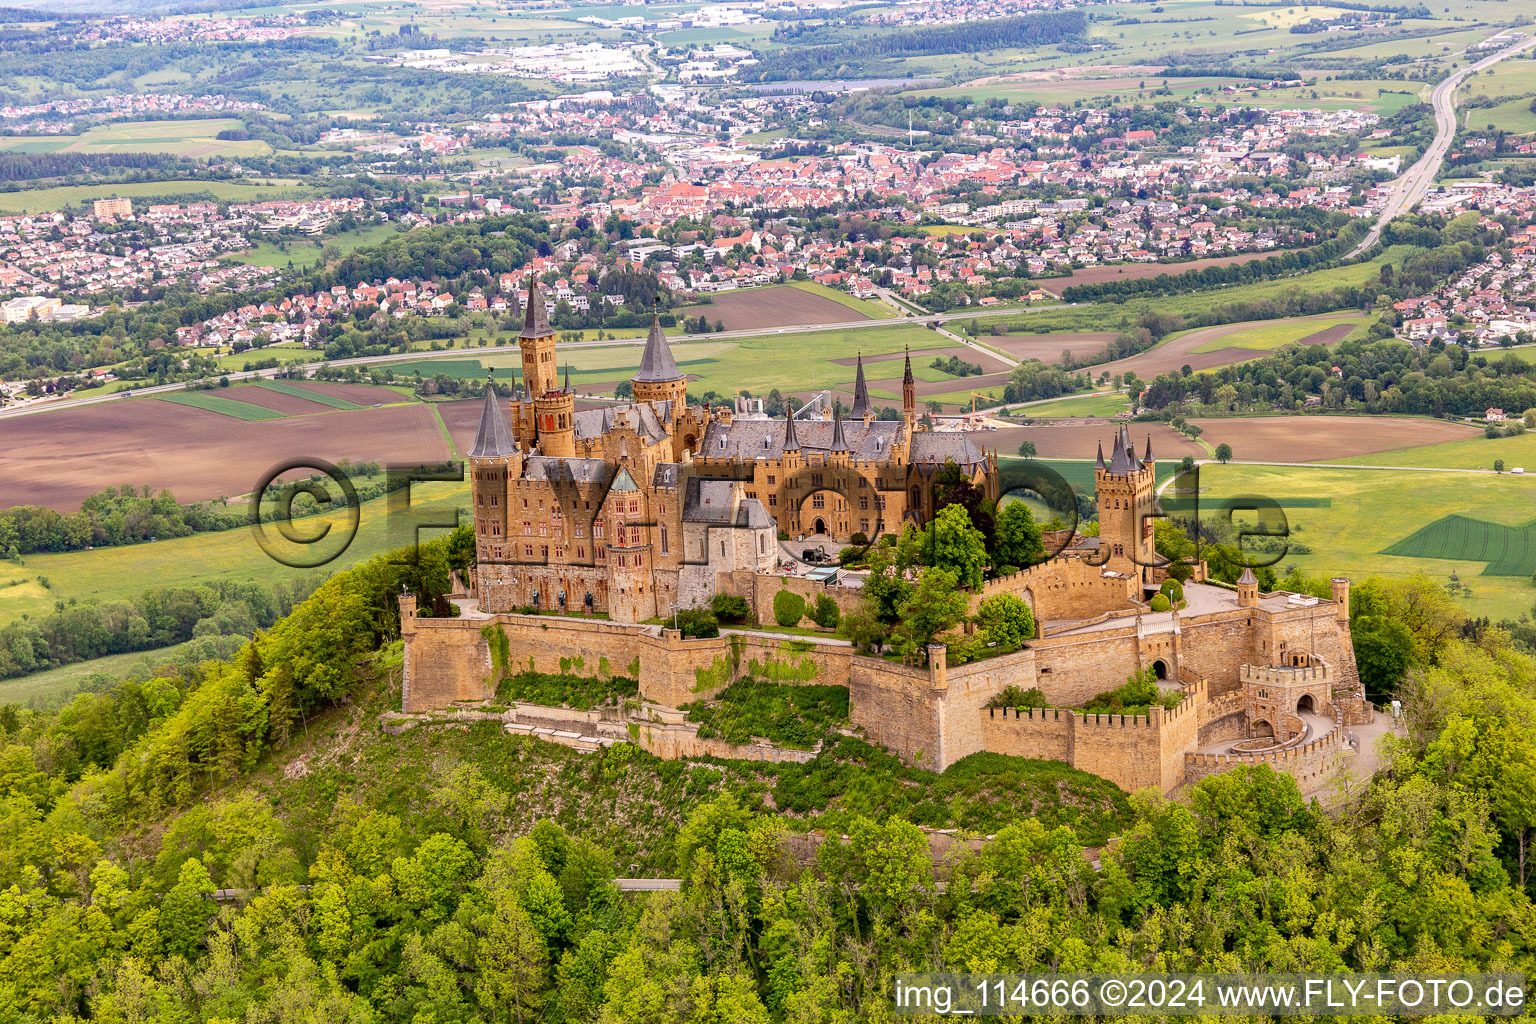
x: 591, y: 526
x: 631, y: 510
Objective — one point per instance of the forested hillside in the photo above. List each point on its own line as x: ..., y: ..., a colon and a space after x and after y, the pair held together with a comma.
x: 454, y: 875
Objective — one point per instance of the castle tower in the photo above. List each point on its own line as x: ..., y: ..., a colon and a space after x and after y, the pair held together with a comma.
x: 861, y: 407
x: 537, y: 342
x: 659, y: 379
x: 1247, y: 589
x: 556, y: 412
x: 1340, y: 585
x: 490, y: 464
x: 909, y: 394
x: 631, y: 589
x: 1126, y: 489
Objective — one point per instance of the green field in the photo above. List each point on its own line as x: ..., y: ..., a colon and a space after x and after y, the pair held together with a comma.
x: 1473, y: 453
x: 40, y: 200
x: 789, y: 362
x: 1266, y: 337
x: 307, y: 394
x: 224, y: 406
x: 55, y: 687
x: 178, y: 138
x: 305, y: 252
x: 1365, y: 526
x: 115, y: 573
x: 1078, y: 405
x: 873, y: 310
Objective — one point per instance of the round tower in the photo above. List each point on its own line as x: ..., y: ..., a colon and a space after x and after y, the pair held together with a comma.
x: 659, y: 379
x: 1247, y: 589
x: 556, y: 413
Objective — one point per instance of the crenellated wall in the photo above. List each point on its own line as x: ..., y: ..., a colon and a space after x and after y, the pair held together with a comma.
x: 935, y: 715
x: 1065, y: 587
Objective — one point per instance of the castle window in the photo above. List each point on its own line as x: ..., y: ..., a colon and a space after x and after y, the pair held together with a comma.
x: 818, y: 501
x: 622, y: 561
x: 664, y: 548
x: 863, y: 501
x: 771, y: 479
x: 541, y: 530
x: 495, y: 500
x: 527, y: 550
x: 581, y: 551
x: 773, y: 500
x: 639, y: 561
x: 815, y: 479
x: 482, y: 529
x: 722, y: 549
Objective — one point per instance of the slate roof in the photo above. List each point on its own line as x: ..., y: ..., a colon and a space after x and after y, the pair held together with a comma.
x: 930, y: 448
x: 535, y: 316
x: 494, y: 438
x: 656, y: 364
x: 766, y: 439
x: 597, y: 422
x: 708, y: 500
x: 552, y: 467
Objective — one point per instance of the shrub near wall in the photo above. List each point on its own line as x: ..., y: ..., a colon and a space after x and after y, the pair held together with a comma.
x: 788, y: 608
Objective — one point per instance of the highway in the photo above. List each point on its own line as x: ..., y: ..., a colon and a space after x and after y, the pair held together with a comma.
x: 1410, y: 188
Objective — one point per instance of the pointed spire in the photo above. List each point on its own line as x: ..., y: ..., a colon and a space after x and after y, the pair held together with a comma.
x: 906, y: 377
x: 1148, y: 457
x: 535, y: 316
x: 494, y: 438
x: 656, y: 364
x: 791, y: 442
x: 1122, y: 456
x: 839, y: 442
x: 567, y: 377
x: 1100, y: 463
x: 860, y: 392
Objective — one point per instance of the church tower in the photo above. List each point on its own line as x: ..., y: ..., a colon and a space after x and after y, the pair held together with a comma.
x: 1127, y: 499
x: 861, y: 410
x: 659, y: 379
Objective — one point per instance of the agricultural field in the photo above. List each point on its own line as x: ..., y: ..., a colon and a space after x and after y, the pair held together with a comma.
x: 58, y: 457
x: 1371, y: 522
x: 1137, y: 271
x: 1327, y: 438
x: 1049, y: 348
x: 115, y: 573
x: 178, y: 138
x: 1473, y: 452
x: 783, y: 306
x: 55, y: 687
x: 1102, y: 404
x: 41, y: 200
x: 1209, y: 347
x: 1079, y: 439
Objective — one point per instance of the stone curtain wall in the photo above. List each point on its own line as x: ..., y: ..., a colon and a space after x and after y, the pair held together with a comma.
x: 448, y: 660
x: 1065, y: 587
x: 759, y: 590
x: 1305, y: 763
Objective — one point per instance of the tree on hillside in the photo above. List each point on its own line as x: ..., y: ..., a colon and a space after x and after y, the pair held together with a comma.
x: 1223, y: 452
x: 956, y: 545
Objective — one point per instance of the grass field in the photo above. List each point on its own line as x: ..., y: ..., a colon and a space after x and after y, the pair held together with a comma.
x: 873, y: 310
x: 1369, y: 515
x: 111, y: 574
x: 1473, y: 453
x: 790, y: 362
x: 308, y: 394
x: 306, y: 252
x: 223, y: 406
x: 1267, y: 337
x: 39, y: 200
x: 179, y: 138
x: 1079, y: 405
x: 55, y: 687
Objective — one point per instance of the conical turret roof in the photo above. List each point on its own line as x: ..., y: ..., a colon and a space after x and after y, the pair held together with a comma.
x: 839, y: 442
x: 656, y: 364
x: 860, y: 392
x: 791, y: 442
x: 535, y: 316
x: 494, y: 438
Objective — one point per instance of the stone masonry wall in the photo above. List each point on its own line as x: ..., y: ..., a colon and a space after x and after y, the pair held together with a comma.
x: 1065, y: 587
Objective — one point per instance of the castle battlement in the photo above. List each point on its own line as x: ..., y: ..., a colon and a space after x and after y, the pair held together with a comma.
x: 1283, y: 676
